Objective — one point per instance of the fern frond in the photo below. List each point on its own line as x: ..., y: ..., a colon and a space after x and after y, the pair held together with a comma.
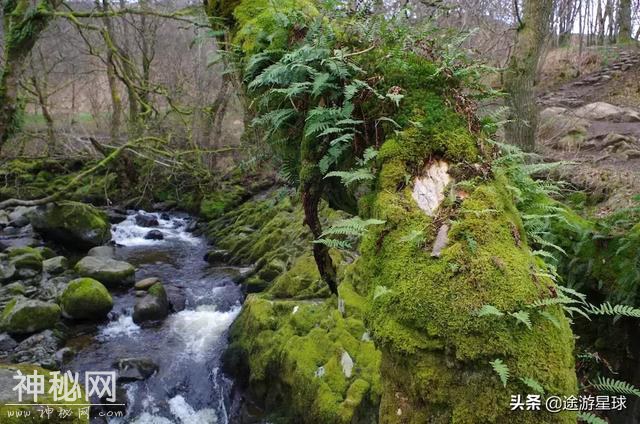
x: 611, y: 385
x: 533, y: 384
x: 617, y: 310
x: 551, y: 318
x: 333, y: 243
x: 350, y: 177
x: 502, y: 370
x: 523, y: 317
x: 489, y: 310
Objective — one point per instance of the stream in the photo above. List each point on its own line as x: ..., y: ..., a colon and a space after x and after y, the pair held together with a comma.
x: 189, y: 386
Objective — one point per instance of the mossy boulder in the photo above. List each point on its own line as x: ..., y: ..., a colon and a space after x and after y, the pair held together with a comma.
x: 110, y: 272
x: 76, y: 225
x: 9, y: 414
x: 86, y: 299
x: 435, y: 349
x: 25, y: 316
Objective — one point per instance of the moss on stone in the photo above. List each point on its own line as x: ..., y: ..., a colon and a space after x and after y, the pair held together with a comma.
x: 25, y: 316
x: 435, y: 350
x: 86, y: 299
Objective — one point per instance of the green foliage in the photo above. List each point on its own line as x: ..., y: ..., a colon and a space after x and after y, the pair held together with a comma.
x: 502, y: 370
x: 611, y: 385
x: 353, y: 227
x: 532, y: 384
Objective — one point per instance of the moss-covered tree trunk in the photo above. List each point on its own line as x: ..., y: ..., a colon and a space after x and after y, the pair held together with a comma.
x: 434, y: 185
x: 520, y: 76
x: 23, y: 22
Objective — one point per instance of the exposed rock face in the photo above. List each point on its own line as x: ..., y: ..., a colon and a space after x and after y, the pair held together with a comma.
x: 428, y: 190
x: 109, y: 272
x: 601, y: 111
x: 76, y: 225
x: 39, y: 349
x: 86, y: 299
x: 25, y: 316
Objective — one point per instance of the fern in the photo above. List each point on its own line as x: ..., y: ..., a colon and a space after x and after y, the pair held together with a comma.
x: 502, y: 370
x: 352, y: 227
x: 350, y: 177
x: 610, y: 385
x: 333, y: 243
x: 489, y: 310
x: 616, y: 311
x: 523, y: 317
x: 532, y: 384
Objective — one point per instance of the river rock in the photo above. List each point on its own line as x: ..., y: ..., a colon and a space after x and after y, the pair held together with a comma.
x: 116, y: 216
x: 76, y: 225
x: 86, y: 299
x: 108, y: 271
x: 103, y: 252
x: 146, y: 220
x: 19, y: 216
x: 146, y: 283
x: 217, y: 256
x: 154, y: 235
x: 4, y: 218
x: 152, y: 307
x: 56, y: 265
x: 7, y: 344
x: 64, y: 356
x: 26, y: 260
x: 39, y: 349
x: 135, y: 369
x: 25, y: 316
x: 18, y: 237
x: 7, y: 273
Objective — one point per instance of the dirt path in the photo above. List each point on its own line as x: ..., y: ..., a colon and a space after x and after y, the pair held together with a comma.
x: 594, y: 122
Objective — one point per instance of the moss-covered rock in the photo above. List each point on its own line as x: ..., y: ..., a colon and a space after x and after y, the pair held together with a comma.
x: 76, y: 225
x: 25, y: 316
x: 86, y: 299
x: 110, y: 272
x: 436, y: 351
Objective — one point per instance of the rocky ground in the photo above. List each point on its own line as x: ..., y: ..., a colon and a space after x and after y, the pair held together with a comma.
x: 594, y: 122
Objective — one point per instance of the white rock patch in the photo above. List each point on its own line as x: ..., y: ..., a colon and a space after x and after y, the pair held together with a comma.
x: 428, y: 190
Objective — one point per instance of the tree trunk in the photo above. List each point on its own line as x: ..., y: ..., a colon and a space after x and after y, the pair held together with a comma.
x: 520, y: 76
x: 624, y: 21
x: 22, y: 26
x: 114, y: 91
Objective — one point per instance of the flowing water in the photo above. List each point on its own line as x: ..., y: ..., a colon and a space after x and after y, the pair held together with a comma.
x: 189, y: 386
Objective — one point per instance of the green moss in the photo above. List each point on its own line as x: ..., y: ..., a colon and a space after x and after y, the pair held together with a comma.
x: 25, y: 316
x: 294, y: 348
x: 86, y: 298
x: 266, y: 25
x: 435, y: 350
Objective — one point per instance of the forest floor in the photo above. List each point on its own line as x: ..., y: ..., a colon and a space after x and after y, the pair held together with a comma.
x: 593, y: 122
